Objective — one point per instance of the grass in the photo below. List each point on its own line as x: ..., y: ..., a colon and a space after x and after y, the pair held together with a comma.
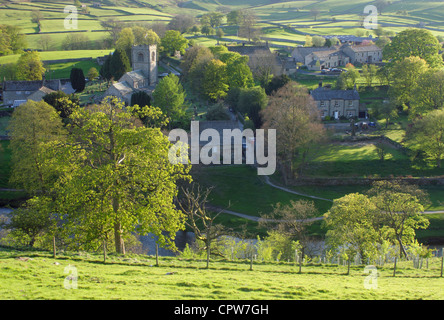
x: 242, y: 190
x: 63, y: 70
x: 40, y: 277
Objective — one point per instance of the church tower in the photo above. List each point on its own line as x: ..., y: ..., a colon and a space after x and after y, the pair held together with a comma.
x: 144, y: 57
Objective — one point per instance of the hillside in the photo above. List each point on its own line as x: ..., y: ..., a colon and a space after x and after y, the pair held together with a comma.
x: 284, y: 23
x: 36, y: 275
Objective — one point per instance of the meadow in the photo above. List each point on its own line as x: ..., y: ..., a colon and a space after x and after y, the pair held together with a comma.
x: 31, y: 275
x: 286, y: 23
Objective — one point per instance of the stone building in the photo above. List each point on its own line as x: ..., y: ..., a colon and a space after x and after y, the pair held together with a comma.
x: 143, y: 76
x: 18, y: 92
x: 337, y: 103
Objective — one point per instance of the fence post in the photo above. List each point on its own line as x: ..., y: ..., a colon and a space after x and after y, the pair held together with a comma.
x: 442, y: 259
x: 394, y: 267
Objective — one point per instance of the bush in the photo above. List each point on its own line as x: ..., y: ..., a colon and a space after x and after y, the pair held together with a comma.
x: 217, y: 112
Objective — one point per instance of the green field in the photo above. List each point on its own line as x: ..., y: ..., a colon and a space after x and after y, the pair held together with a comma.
x: 335, y: 17
x: 35, y: 275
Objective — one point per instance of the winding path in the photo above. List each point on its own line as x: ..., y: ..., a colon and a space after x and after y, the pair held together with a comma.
x: 267, y: 181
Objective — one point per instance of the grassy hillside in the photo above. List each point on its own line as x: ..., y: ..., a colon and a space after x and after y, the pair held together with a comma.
x: 35, y: 275
x: 335, y: 17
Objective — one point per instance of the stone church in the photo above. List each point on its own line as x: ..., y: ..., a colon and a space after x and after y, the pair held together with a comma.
x: 143, y: 76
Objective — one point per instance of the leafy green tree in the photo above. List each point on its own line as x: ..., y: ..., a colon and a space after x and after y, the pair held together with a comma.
x: 318, y: 41
x: 369, y: 73
x: 426, y: 134
x: 414, y: 42
x: 428, y: 94
x: 400, y: 208
x: 125, y: 41
x: 404, y: 76
x: 120, y: 179
x: 92, y: 73
x: 145, y: 36
x: 77, y: 79
x: 193, y: 66
x: 17, y: 40
x: 105, y: 70
x: 64, y: 104
x: 31, y: 126
x: 119, y: 64
x: 215, y: 84
x: 251, y: 102
x: 174, y: 41
x: 169, y: 96
x: 276, y: 83
x: 238, y: 72
x: 217, y: 112
x: 140, y: 98
x: 212, y: 19
x: 234, y: 18
x: 29, y: 66
x: 385, y: 110
x: 352, y: 224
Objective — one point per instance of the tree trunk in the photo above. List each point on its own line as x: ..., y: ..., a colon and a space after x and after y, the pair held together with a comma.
x: 120, y: 246
x: 104, y: 251
x: 54, y: 246
x: 402, y: 250
x: 208, y: 252
x: 157, y: 254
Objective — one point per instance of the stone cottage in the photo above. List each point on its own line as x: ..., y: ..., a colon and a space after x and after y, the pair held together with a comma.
x: 18, y: 92
x: 337, y: 103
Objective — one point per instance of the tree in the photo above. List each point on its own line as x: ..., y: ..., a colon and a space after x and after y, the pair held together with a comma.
x: 276, y: 83
x: 76, y: 41
x: 315, y: 13
x: 400, y: 211
x: 248, y: 28
x: 77, y: 79
x: 173, y: 41
x: 426, y: 135
x: 62, y: 103
x: 318, y: 41
x: 404, y: 76
x: 125, y: 41
x: 141, y: 98
x: 234, y: 18
x: 352, y: 224
x: 193, y: 203
x: 369, y: 73
x: 264, y: 66
x: 238, y: 72
x: 36, y: 16
x: 381, y: 5
x: 31, y: 126
x: 46, y: 42
x: 348, y: 79
x: 381, y: 42
x: 215, y: 83
x: 119, y: 178
x: 212, y: 19
x: 293, y: 221
x: 105, y: 70
x: 181, y: 23
x: 217, y: 112
x: 29, y: 66
x: 169, y: 96
x: 251, y: 102
x: 428, y: 94
x: 119, y: 64
x: 308, y: 41
x: 193, y: 66
x: 414, y: 42
x: 16, y: 40
x: 295, y: 116
x: 145, y: 36
x: 384, y: 110
x: 92, y: 73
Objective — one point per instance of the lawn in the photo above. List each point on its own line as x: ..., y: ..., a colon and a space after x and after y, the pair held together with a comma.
x: 63, y: 70
x: 31, y: 275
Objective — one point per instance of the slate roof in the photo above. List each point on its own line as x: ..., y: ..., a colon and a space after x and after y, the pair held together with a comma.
x: 31, y: 85
x: 123, y: 87
x: 365, y: 48
x: 136, y: 75
x: 327, y: 94
x: 249, y: 50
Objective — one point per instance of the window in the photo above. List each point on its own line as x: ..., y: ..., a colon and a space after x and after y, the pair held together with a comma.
x: 350, y: 103
x: 153, y: 56
x: 140, y: 57
x: 322, y: 103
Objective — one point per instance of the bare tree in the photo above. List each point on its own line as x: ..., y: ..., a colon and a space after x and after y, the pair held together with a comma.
x: 315, y: 13
x: 292, y: 220
x: 200, y: 218
x: 248, y: 27
x: 294, y: 114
